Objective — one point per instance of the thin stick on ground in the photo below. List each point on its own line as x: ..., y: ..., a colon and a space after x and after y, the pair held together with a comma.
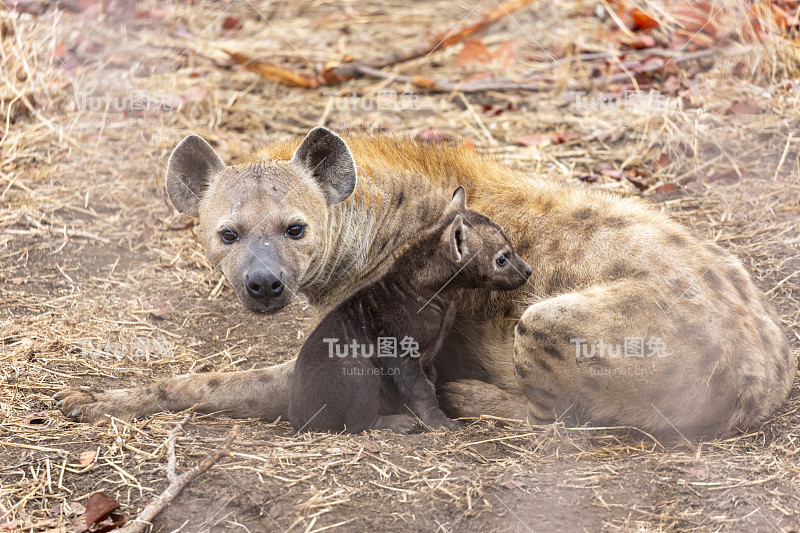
x: 532, y: 85
x: 337, y: 73
x: 177, y: 482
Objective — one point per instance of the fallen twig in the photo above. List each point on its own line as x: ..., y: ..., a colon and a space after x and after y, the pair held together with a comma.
x: 177, y: 482
x: 505, y: 84
x: 334, y: 73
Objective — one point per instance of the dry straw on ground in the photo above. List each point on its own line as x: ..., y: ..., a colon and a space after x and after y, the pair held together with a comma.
x: 104, y: 285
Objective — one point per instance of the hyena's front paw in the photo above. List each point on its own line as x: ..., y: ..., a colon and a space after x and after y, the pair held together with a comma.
x: 87, y: 406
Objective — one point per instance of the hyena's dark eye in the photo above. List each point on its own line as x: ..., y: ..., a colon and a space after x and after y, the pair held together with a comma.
x: 228, y: 236
x: 502, y: 261
x: 296, y: 231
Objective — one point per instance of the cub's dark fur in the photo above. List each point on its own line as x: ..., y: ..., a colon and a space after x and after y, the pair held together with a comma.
x: 414, y: 300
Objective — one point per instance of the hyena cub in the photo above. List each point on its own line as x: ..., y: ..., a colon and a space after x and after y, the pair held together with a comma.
x: 411, y: 306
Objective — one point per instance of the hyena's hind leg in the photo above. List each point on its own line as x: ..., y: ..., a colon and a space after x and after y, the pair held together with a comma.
x: 261, y: 393
x: 641, y: 354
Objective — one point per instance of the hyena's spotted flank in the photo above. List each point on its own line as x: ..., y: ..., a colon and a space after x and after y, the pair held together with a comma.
x: 322, y: 217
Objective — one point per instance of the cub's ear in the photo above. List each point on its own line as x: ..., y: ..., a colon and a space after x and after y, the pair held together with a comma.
x: 457, y: 237
x: 326, y: 156
x: 459, y: 202
x: 191, y: 167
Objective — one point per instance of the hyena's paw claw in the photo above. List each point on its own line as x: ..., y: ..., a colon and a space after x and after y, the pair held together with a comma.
x: 441, y: 421
x: 80, y: 406
x: 451, y: 425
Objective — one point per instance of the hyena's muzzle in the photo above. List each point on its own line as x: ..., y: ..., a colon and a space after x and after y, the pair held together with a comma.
x: 262, y: 278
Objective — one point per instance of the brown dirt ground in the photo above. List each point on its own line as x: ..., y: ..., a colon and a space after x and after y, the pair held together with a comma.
x: 91, y: 252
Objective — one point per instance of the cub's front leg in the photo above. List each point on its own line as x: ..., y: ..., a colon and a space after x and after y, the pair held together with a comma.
x: 417, y: 393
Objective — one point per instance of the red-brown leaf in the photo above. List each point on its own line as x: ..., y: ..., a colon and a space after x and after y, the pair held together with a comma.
x: 667, y: 187
x: 504, y: 56
x: 535, y: 139
x: 662, y: 161
x: 99, y: 507
x: 86, y: 458
x: 642, y: 20
x: 472, y: 53
x: 231, y: 23
x: 431, y: 135
x: 567, y: 136
x: 160, y: 310
x: 640, y: 42
x: 60, y: 50
x: 611, y: 173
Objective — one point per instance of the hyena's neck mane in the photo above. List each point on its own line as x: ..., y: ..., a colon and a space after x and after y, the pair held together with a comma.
x: 369, y: 231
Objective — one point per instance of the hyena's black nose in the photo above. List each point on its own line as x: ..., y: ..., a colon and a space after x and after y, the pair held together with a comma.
x: 263, y: 283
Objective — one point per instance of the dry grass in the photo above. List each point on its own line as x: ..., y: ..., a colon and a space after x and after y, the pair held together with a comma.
x: 90, y: 250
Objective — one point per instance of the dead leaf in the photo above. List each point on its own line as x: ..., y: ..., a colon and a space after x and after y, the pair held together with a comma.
x: 744, y: 107
x: 160, y: 310
x: 662, y: 161
x: 60, y: 50
x: 535, y: 139
x: 504, y: 56
x: 696, y: 16
x: 667, y: 187
x: 641, y: 42
x: 274, y: 72
x: 542, y: 139
x: 611, y: 173
x: 73, y: 509
x: 642, y: 20
x: 672, y: 85
x: 567, y: 136
x: 473, y: 52
x: 371, y: 447
x: 99, y: 507
x: 152, y: 14
x: 431, y: 135
x: 231, y: 23
x: 87, y: 457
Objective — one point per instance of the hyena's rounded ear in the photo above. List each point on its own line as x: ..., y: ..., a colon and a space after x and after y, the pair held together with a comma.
x: 191, y: 167
x: 326, y: 156
x: 457, y: 238
x: 459, y: 202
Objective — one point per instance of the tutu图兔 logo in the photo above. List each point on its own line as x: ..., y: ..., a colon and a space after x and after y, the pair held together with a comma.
x: 386, y: 347
x: 631, y: 347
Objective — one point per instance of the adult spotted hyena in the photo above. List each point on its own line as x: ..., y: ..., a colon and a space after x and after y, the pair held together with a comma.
x: 627, y: 318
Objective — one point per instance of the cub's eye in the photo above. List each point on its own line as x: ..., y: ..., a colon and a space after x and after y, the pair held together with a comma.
x: 228, y: 236
x: 296, y: 231
x: 502, y: 261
